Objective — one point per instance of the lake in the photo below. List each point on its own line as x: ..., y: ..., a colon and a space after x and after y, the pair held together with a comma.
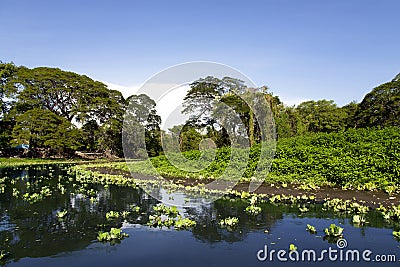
x: 33, y: 234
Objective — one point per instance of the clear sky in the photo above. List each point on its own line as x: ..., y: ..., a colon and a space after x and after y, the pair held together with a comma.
x: 302, y: 50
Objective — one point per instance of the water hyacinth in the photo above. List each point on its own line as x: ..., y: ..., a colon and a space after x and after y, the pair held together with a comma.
x: 334, y: 231
x: 253, y: 210
x: 113, y: 234
x: 311, y: 229
x: 229, y: 223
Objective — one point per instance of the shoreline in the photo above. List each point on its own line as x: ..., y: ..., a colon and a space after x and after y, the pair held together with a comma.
x: 372, y: 199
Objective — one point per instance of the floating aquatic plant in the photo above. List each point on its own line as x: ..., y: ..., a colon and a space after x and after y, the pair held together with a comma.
x: 169, y: 217
x: 165, y: 210
x: 304, y: 209
x: 311, y: 229
x: 229, y: 223
x: 253, y: 200
x: 334, y: 231
x: 113, y: 234
x: 358, y: 219
x: 391, y: 213
x: 347, y: 206
x: 245, y: 195
x: 112, y: 215
x: 125, y: 214
x: 396, y: 234
x: 186, y: 223
x: 253, y: 210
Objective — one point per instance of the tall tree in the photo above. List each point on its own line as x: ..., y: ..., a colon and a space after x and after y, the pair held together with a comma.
x: 200, y: 99
x: 7, y: 73
x: 351, y: 110
x: 321, y: 116
x: 110, y: 131
x: 141, y: 128
x: 203, y: 104
x: 381, y: 106
x: 42, y: 128
x: 396, y: 78
x: 7, y: 98
x: 67, y: 94
x: 76, y: 98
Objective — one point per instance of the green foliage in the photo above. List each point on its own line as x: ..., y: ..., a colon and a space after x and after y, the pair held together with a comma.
x: 351, y: 110
x: 186, y: 223
x: 357, y: 158
x: 229, y: 223
x: 135, y: 209
x: 346, y: 206
x: 391, y: 213
x: 77, y: 98
x: 141, y: 131
x: 253, y: 210
x: 7, y: 73
x: 61, y: 214
x: 165, y: 210
x: 42, y: 128
x: 111, y: 215
x: 380, y: 107
x: 112, y: 235
x: 7, y: 99
x: 321, y: 116
x: 358, y: 219
x: 334, y: 231
x: 12, y: 162
x: 292, y: 247
x: 396, y: 234
x: 304, y: 209
x: 67, y: 94
x: 208, y: 99
x: 311, y: 229
x: 169, y: 217
x: 71, y: 98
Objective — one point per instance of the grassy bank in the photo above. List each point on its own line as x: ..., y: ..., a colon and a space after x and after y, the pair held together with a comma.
x: 363, y: 159
x: 13, y: 162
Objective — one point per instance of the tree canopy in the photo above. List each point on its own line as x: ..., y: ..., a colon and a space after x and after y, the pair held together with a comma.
x: 380, y: 107
x: 321, y: 116
x: 67, y: 94
x: 59, y: 111
x: 41, y: 128
x: 141, y: 128
x: 7, y: 73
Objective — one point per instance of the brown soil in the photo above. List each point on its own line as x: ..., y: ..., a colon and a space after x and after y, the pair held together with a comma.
x: 370, y: 198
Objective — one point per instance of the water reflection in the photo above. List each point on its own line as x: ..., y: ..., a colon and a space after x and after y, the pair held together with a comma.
x: 29, y: 226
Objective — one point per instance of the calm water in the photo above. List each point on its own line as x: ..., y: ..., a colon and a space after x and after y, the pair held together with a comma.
x: 32, y: 235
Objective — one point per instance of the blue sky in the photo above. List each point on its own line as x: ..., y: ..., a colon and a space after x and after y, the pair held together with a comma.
x: 302, y: 50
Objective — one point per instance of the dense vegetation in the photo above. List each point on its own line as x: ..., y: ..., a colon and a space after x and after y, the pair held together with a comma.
x: 356, y: 158
x: 360, y: 158
x: 59, y: 112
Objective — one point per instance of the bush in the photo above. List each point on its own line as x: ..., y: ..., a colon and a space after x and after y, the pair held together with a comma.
x: 359, y: 158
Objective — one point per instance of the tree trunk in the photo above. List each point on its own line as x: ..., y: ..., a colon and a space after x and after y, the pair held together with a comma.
x: 251, y: 128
